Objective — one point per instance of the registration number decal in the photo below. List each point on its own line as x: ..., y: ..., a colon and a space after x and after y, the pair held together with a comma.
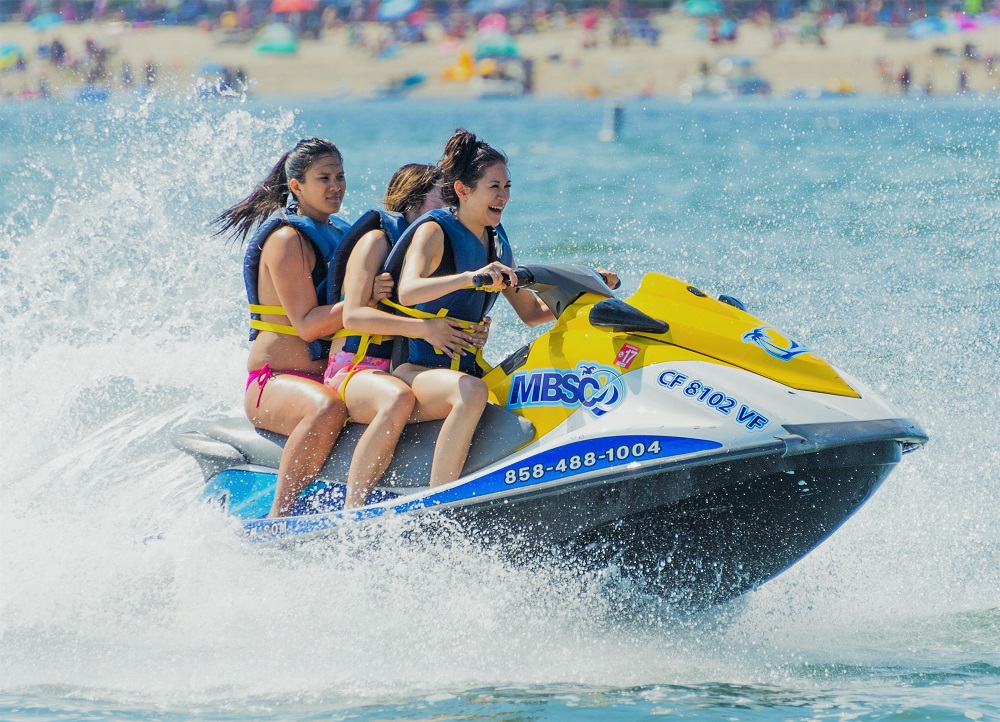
x: 713, y: 398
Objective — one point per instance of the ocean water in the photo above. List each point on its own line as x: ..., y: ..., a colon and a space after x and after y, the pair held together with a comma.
x: 867, y: 229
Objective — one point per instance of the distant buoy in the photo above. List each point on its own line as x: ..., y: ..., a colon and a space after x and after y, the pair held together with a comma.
x: 614, y: 121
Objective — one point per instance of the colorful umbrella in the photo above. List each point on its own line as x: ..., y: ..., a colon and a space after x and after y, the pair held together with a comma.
x: 494, y: 21
x: 396, y: 9
x: 293, y: 6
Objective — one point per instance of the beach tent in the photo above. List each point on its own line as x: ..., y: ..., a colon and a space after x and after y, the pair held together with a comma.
x: 45, y: 21
x: 495, y: 43
x: 484, y: 7
x: 276, y: 38
x: 396, y: 9
x: 702, y: 8
x: 925, y: 27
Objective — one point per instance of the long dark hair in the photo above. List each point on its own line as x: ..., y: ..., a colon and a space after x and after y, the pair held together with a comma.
x: 271, y: 193
x: 465, y: 159
x: 409, y: 186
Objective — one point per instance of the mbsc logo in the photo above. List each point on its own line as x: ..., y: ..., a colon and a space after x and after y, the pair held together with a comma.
x: 597, y: 388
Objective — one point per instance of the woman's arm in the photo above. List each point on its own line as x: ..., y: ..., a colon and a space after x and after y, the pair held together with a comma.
x: 416, y: 285
x: 533, y: 311
x: 288, y: 263
x: 362, y: 268
x: 529, y: 307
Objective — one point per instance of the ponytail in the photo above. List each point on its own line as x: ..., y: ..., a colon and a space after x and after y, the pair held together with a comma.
x: 465, y: 159
x: 271, y: 194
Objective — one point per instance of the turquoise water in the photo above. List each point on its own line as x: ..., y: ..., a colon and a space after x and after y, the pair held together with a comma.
x: 866, y: 229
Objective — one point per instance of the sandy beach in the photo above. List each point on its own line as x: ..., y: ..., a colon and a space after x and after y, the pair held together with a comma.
x: 332, y: 67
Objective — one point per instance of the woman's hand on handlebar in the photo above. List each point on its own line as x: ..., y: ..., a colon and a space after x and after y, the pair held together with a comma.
x: 502, y: 276
x: 447, y: 336
x: 610, y: 277
x: 382, y: 288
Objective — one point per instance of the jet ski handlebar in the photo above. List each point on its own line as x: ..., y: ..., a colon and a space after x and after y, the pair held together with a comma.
x: 558, y: 285
x: 524, y: 278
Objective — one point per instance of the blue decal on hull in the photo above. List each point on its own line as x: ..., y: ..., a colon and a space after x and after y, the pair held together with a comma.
x: 563, y: 462
x: 761, y: 337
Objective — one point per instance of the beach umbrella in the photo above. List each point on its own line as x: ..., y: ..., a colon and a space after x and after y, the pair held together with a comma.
x: 965, y: 22
x: 293, y: 6
x: 484, y: 7
x: 926, y: 27
x: 43, y: 22
x: 702, y: 8
x: 494, y: 21
x: 396, y: 9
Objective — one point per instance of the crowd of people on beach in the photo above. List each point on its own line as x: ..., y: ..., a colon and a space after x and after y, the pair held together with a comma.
x: 91, y: 66
x: 370, y: 28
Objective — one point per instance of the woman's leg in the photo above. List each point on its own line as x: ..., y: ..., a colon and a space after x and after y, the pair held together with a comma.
x: 457, y: 398
x: 385, y: 404
x: 311, y: 416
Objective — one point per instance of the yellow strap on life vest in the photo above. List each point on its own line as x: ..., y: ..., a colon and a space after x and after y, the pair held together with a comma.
x: 270, y: 310
x: 281, y: 327
x: 443, y: 313
x: 273, y: 327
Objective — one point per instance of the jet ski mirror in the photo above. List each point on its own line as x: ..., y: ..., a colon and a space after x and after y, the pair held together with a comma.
x: 623, y: 318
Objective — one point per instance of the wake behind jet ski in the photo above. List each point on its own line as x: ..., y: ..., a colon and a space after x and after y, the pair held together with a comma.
x: 676, y: 436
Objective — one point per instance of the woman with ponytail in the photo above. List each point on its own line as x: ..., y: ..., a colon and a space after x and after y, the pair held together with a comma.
x: 435, y: 263
x: 295, y: 234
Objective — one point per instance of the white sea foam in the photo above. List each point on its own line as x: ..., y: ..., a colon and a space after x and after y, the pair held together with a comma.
x: 122, y: 322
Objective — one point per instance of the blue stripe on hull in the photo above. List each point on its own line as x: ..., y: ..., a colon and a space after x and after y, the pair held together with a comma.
x: 561, y: 463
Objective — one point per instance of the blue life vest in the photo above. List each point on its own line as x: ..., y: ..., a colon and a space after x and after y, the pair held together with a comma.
x: 467, y: 254
x: 325, y: 240
x: 393, y: 225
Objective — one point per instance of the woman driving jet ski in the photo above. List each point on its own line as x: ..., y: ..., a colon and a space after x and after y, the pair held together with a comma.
x: 436, y: 261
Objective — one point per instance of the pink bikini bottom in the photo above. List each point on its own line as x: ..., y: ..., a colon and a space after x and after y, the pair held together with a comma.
x: 340, y: 368
x: 262, y: 375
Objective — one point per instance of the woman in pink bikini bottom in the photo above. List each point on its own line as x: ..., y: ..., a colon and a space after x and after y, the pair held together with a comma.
x: 366, y: 385
x: 293, y: 233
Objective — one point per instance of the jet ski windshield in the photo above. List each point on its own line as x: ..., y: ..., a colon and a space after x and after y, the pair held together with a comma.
x: 560, y: 284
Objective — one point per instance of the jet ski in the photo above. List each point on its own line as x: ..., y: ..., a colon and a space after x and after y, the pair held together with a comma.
x: 672, y: 437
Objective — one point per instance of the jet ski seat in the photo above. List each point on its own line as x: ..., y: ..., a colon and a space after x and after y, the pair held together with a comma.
x: 499, y: 433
